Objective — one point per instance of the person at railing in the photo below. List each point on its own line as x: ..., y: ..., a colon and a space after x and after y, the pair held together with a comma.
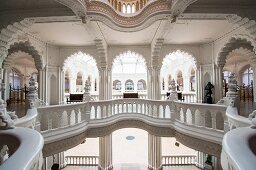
x: 55, y: 166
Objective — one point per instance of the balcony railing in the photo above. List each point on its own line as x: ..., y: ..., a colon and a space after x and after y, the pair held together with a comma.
x: 179, y: 160
x: 82, y: 160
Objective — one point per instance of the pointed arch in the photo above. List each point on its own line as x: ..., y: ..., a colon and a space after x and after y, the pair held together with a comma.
x: 27, y: 48
x: 233, y: 44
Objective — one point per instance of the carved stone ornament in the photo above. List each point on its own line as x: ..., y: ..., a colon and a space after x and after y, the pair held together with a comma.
x: 173, y: 93
x: 252, y: 117
x: 87, y: 95
x: 5, y: 120
x: 4, y: 153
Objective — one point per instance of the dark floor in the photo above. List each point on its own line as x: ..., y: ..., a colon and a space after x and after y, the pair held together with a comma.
x: 246, y: 107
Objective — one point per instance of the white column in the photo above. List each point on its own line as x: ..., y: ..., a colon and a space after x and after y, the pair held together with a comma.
x: 61, y: 86
x: 219, y: 89
x: 199, y: 83
x: 186, y: 81
x: 72, y: 84
x: 110, y: 84
x: 254, y: 82
x: 155, y: 152
x: 42, y: 84
x: 105, y: 152
x: 149, y: 83
x: 103, y: 83
x: 155, y: 85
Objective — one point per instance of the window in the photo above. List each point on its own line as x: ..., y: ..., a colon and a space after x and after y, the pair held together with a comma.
x: 247, y: 77
x: 129, y: 85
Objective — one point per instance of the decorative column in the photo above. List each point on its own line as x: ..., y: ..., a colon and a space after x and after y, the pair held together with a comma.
x: 87, y: 88
x: 155, y: 85
x: 155, y: 152
x: 103, y: 83
x: 105, y: 155
x: 43, y: 83
x: 61, y: 86
x: 186, y: 81
x: 199, y: 83
x: 32, y: 96
x: 253, y: 66
x: 219, y: 88
x: 149, y: 80
x: 72, y: 84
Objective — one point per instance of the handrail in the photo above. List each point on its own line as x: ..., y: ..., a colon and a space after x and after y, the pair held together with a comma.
x: 235, y: 120
x: 28, y: 153
x: 237, y: 152
x: 28, y: 120
x: 179, y: 160
x: 82, y: 160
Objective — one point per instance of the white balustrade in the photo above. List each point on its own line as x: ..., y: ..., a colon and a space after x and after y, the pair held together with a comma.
x: 153, y: 108
x: 235, y: 120
x: 238, y: 149
x: 179, y: 160
x: 20, y: 141
x: 206, y: 115
x: 82, y: 160
x: 53, y: 117
x: 189, y: 97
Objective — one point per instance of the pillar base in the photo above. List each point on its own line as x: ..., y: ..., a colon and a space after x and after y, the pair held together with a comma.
x: 153, y: 168
x: 110, y: 167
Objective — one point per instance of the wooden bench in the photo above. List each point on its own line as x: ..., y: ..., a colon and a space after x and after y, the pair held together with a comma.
x: 75, y: 98
x: 130, y: 95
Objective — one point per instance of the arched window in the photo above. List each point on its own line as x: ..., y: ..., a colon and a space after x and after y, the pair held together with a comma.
x: 129, y: 9
x: 247, y: 77
x: 124, y: 8
x: 117, y: 85
x: 133, y: 8
x: 141, y: 85
x: 129, y: 85
x: 14, y: 79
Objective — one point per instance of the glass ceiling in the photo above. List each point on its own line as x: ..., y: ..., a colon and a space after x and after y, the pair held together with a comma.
x: 81, y: 62
x: 129, y: 62
x: 177, y: 61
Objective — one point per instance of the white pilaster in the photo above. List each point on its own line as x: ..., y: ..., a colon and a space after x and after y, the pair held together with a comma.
x: 155, y: 152
x: 105, y: 153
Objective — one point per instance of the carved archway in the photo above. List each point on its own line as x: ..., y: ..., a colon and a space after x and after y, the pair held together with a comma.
x: 24, y: 47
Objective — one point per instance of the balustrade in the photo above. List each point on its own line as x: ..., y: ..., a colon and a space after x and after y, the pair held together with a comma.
x: 52, y: 117
x: 179, y: 160
x: 189, y: 97
x: 103, y: 109
x: 211, y: 116
x: 82, y: 160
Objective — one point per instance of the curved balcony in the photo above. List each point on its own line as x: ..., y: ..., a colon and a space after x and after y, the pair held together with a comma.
x: 199, y: 126
x: 25, y: 148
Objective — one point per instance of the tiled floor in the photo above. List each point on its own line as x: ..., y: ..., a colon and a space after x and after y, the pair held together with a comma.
x: 126, y: 167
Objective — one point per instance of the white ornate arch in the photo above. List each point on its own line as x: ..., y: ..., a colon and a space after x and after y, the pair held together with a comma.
x: 25, y: 47
x: 233, y: 43
x: 75, y: 62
